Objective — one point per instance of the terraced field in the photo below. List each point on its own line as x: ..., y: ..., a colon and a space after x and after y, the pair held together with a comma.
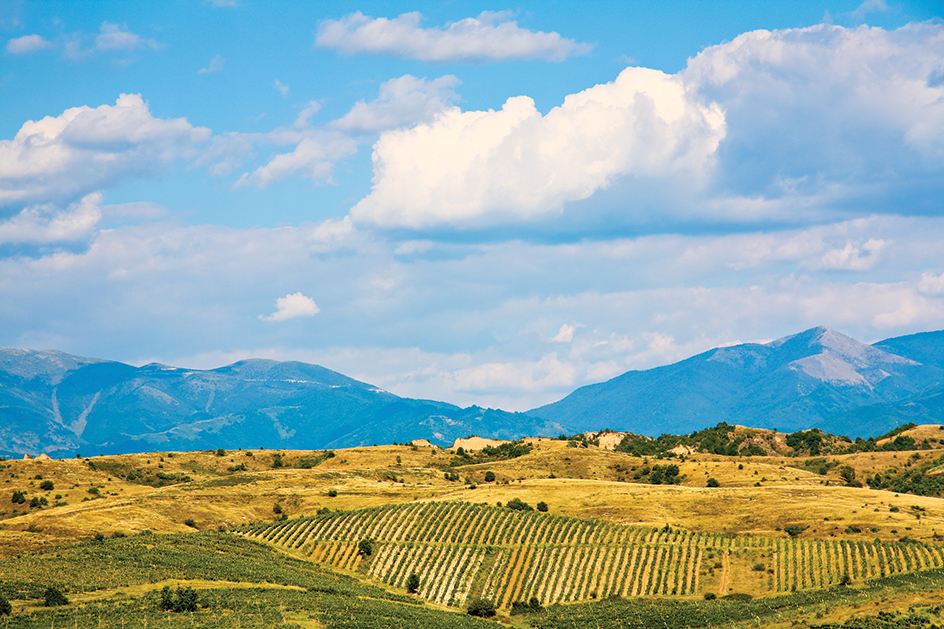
x: 461, y: 550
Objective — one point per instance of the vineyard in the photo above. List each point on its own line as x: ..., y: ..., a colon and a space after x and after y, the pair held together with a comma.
x: 463, y: 550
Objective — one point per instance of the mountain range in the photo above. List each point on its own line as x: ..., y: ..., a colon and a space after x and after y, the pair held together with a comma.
x: 816, y: 379
x: 62, y: 404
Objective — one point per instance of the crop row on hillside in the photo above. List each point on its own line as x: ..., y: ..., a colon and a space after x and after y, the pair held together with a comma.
x: 559, y: 559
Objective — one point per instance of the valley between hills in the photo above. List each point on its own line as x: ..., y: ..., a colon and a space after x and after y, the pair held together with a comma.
x: 730, y: 525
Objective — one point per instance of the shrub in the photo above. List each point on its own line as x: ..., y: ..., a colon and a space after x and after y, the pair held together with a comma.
x: 118, y: 535
x: 712, y: 483
x: 413, y: 583
x: 846, y: 580
x: 277, y: 509
x: 853, y: 529
x: 710, y: 596
x: 54, y: 597
x: 542, y: 507
x: 758, y: 567
x: 489, y: 476
x: 5, y: 608
x: 332, y: 493
x: 99, y: 537
x: 365, y: 547
x: 93, y: 491
x: 532, y: 606
x: 793, y: 530
x: 481, y: 607
x: 517, y: 504
x: 47, y: 485
x: 189, y: 522
x: 19, y: 497
x: 183, y: 600
x: 277, y: 460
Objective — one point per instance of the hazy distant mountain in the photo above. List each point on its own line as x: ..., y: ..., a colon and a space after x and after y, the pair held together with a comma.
x: 61, y: 404
x: 57, y: 403
x: 818, y: 378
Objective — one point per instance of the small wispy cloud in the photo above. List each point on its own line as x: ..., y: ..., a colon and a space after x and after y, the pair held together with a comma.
x: 216, y: 65
x: 292, y: 306
x: 27, y: 44
x: 281, y: 88
x: 491, y: 36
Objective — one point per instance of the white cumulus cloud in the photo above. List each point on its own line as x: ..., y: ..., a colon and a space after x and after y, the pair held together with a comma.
x: 27, y: 44
x: 85, y: 149
x: 44, y: 224
x: 292, y: 306
x: 491, y: 36
x: 470, y: 168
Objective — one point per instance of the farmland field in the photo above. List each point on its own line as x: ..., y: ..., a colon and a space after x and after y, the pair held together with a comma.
x: 312, y: 539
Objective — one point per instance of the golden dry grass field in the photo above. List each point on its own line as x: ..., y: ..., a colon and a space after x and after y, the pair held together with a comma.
x: 724, y: 539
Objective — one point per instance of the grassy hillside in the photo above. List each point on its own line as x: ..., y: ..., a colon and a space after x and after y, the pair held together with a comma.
x: 271, y: 538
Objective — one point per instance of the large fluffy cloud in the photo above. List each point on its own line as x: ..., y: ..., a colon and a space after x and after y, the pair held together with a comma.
x: 491, y: 36
x: 478, y: 167
x: 829, y: 112
x: 775, y: 126
x: 61, y: 158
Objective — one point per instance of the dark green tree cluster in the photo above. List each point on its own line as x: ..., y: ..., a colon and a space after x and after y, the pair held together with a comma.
x: 532, y: 606
x: 183, y: 600
x: 517, y: 504
x: 413, y: 583
x: 481, y: 607
x: 54, y: 597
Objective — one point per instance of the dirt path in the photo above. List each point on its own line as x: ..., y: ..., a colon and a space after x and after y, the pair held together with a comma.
x: 725, y: 573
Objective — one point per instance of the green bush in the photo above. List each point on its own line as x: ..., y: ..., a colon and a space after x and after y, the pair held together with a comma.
x: 183, y: 600
x: 712, y: 483
x: 19, y: 497
x: 517, y: 504
x: 489, y: 476
x: 542, y: 507
x: 47, y: 485
x: 710, y: 596
x: 793, y: 530
x: 54, y: 597
x: 413, y: 583
x: 5, y: 608
x: 365, y: 547
x: 481, y: 607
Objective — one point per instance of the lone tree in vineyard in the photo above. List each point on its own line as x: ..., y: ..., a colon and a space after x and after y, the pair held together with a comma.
x: 481, y: 607
x: 413, y: 583
x: 365, y: 547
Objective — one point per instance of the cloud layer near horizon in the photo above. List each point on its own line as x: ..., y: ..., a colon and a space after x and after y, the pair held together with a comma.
x: 782, y: 180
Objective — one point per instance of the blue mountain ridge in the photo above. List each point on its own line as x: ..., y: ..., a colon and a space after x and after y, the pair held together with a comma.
x: 61, y: 404
x: 815, y: 379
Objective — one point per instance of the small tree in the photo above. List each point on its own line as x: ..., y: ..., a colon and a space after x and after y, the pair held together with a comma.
x: 277, y: 460
x: 542, y: 507
x: 847, y: 474
x: 54, y: 597
x: 365, y: 547
x: 183, y: 600
x: 19, y: 497
x: 713, y: 483
x: 518, y: 504
x: 489, y: 476
x: 481, y: 607
x: 846, y: 580
x: 221, y: 452
x: 5, y: 608
x: 413, y: 583
x: 793, y: 530
x: 47, y: 485
x: 277, y: 509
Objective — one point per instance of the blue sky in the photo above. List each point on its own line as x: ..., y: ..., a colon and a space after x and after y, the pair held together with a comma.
x: 489, y: 204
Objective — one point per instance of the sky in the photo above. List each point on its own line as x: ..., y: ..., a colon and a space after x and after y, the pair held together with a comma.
x: 488, y: 204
